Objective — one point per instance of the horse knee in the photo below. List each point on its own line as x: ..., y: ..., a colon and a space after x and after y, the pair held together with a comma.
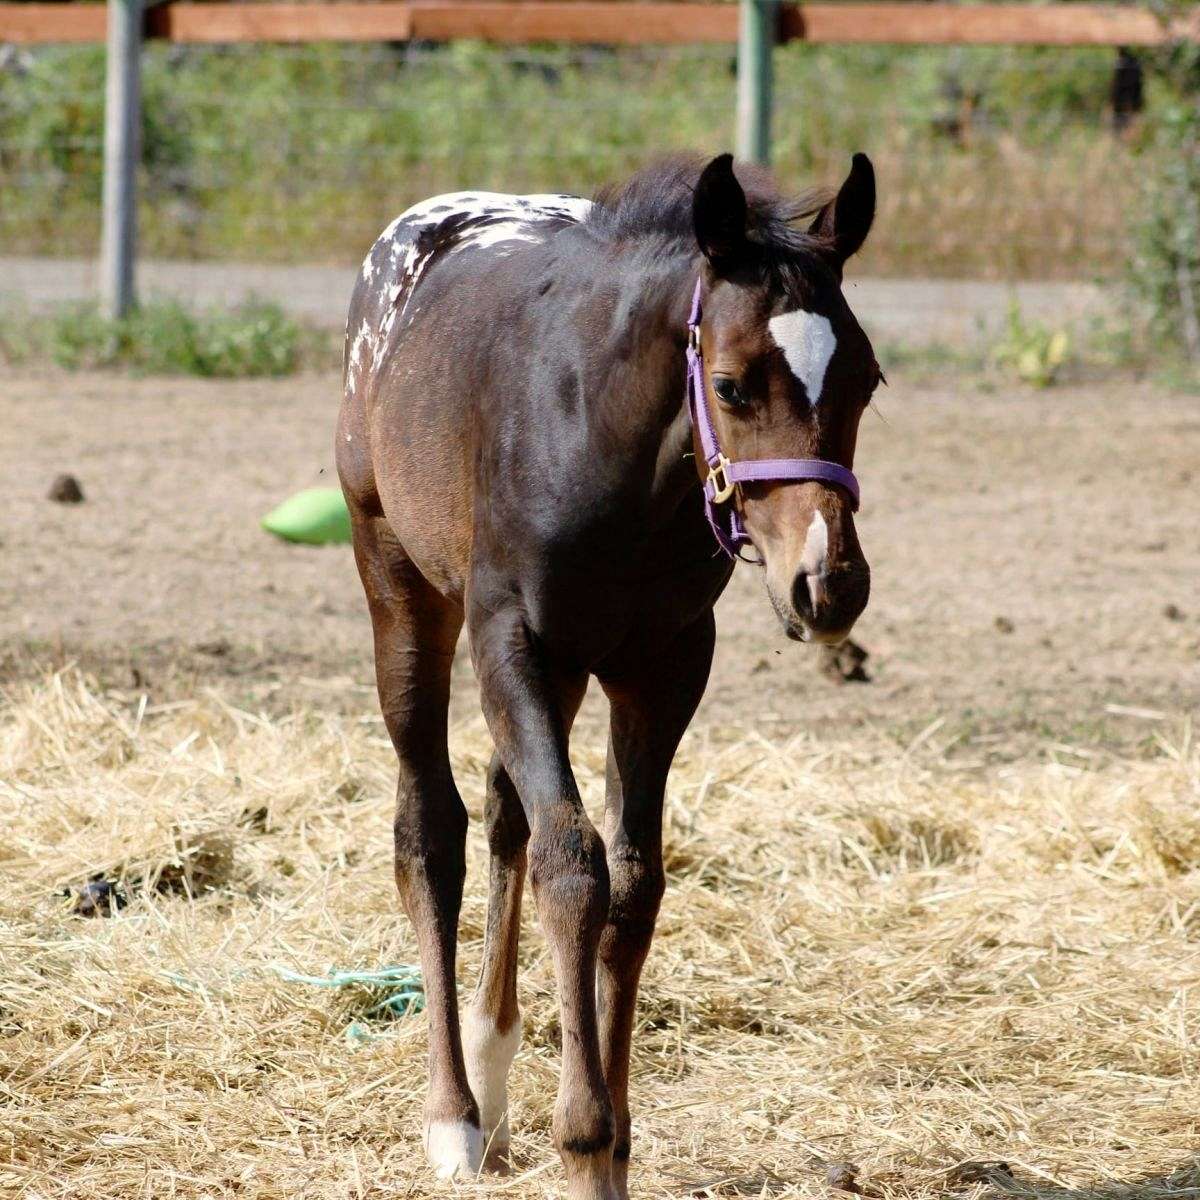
x: 636, y: 885
x: 569, y: 873
x: 429, y: 833
x: 503, y: 817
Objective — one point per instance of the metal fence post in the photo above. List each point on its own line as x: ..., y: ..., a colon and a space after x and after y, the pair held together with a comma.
x: 122, y: 150
x: 757, y: 34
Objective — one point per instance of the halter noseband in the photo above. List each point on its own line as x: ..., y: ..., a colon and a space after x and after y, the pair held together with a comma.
x: 724, y: 475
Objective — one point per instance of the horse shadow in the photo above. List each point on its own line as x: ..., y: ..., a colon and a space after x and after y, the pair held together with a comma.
x: 973, y: 1180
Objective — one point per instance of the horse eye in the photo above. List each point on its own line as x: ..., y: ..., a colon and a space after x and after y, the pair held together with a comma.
x: 726, y: 389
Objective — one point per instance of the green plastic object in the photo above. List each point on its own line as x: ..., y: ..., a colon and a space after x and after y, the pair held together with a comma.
x: 315, y: 516
x: 396, y: 991
x: 385, y: 993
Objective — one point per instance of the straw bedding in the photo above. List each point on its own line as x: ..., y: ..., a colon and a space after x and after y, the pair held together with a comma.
x: 868, y: 953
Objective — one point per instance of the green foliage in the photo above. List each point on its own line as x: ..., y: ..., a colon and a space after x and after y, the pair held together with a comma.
x: 1028, y: 351
x: 1165, y: 266
x: 52, y: 124
x: 165, y: 338
x: 922, y: 362
x: 1035, y: 353
x: 986, y: 156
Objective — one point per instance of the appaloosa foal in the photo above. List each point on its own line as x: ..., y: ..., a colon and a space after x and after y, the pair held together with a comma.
x: 551, y: 407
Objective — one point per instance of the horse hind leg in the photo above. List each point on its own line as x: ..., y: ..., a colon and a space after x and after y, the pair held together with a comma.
x: 416, y: 629
x: 492, y: 1023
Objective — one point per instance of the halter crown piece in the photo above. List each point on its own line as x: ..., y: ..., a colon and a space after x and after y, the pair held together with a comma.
x: 723, y: 475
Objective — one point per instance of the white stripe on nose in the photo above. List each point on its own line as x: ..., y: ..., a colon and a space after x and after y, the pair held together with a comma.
x: 816, y: 546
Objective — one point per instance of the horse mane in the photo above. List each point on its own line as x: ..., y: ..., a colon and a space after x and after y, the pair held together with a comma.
x: 655, y: 205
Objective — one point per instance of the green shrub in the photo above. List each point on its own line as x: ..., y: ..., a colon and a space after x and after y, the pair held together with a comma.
x: 1165, y: 266
x: 166, y: 338
x: 1029, y: 349
x: 992, y: 162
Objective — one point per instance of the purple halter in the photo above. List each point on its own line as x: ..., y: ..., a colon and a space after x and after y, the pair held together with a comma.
x: 723, y: 475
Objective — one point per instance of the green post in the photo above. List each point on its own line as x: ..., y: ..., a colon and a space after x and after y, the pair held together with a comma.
x: 122, y: 149
x: 757, y: 30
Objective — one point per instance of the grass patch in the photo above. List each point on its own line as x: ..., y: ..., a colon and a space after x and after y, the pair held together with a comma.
x: 164, y: 337
x: 923, y: 361
x: 1023, y: 353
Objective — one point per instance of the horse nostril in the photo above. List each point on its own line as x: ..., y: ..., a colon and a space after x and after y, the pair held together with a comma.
x: 806, y: 590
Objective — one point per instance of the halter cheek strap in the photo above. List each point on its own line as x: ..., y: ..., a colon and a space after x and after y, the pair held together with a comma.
x: 724, y: 475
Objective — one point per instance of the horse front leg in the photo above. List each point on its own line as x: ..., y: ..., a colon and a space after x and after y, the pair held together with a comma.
x: 520, y: 695
x: 652, y: 701
x: 492, y: 1023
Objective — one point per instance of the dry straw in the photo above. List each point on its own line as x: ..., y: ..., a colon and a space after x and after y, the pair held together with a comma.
x: 865, y: 954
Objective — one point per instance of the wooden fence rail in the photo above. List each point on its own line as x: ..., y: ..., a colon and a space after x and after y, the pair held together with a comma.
x: 606, y: 21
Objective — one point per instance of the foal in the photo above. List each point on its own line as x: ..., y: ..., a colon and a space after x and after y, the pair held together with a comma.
x: 551, y: 407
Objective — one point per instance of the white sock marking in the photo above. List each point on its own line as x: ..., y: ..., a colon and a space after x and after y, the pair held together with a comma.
x: 454, y: 1148
x: 489, y: 1055
x: 808, y: 342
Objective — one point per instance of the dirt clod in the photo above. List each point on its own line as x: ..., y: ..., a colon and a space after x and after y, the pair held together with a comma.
x: 351, y: 791
x: 843, y: 1176
x: 99, y: 897
x: 1173, y: 612
x: 257, y: 819
x: 201, y: 864
x: 1004, y: 625
x: 845, y: 663
x: 978, y: 1172
x: 65, y: 489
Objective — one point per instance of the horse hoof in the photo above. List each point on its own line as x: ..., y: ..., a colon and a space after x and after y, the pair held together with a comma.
x: 495, y: 1158
x: 454, y: 1148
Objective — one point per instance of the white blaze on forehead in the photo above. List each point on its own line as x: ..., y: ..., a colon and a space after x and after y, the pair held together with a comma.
x: 807, y: 341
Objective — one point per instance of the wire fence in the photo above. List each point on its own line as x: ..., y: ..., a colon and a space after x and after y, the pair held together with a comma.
x: 993, y: 163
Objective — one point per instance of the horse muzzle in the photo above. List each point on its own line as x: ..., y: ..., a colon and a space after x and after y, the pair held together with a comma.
x: 824, y: 605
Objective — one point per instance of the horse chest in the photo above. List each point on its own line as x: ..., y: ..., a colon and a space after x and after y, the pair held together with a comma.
x: 591, y: 597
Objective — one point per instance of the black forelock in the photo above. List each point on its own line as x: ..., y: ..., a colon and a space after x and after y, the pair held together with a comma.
x: 655, y: 206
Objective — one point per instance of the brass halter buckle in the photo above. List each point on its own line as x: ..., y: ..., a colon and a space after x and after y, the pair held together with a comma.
x: 719, y: 477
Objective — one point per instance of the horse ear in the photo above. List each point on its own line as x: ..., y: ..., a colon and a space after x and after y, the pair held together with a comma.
x: 719, y: 214
x: 846, y: 220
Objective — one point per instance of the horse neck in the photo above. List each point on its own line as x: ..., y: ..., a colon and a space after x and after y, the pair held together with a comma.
x: 647, y: 400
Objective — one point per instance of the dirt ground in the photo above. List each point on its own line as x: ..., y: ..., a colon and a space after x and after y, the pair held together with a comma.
x: 1035, y: 559
x: 944, y: 925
